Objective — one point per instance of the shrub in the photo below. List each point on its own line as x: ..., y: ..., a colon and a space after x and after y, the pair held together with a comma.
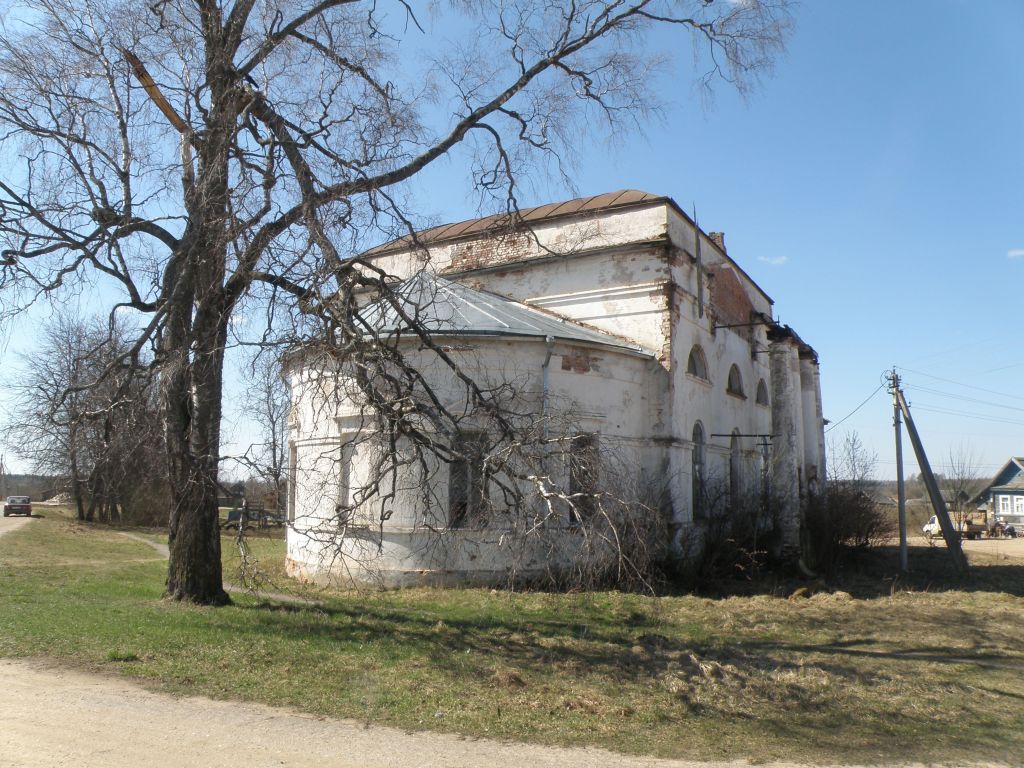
x: 844, y: 517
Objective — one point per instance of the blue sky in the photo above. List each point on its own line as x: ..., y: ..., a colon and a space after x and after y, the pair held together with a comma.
x: 874, y: 186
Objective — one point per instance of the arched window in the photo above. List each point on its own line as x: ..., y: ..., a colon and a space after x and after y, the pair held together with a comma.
x: 735, y: 467
x: 696, y: 364
x: 735, y: 383
x: 762, y: 393
x: 697, y: 472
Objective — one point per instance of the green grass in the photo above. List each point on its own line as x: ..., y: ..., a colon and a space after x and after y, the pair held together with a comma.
x: 921, y: 675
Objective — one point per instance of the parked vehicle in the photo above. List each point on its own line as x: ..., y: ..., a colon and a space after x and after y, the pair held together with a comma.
x: 18, y: 505
x: 968, y: 529
x: 1002, y: 529
x: 251, y: 515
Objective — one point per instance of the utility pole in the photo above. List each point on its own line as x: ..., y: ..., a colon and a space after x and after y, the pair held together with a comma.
x: 901, y: 491
x: 949, y: 533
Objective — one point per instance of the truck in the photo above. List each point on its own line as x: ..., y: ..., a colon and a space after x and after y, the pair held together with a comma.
x: 970, y: 526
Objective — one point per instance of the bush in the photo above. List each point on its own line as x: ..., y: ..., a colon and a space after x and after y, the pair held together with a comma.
x: 844, y: 517
x: 733, y: 539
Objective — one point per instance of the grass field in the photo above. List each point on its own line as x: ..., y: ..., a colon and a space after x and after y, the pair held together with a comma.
x: 876, y: 673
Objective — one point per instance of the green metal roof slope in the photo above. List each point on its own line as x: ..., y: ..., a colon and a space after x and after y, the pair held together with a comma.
x: 447, y: 308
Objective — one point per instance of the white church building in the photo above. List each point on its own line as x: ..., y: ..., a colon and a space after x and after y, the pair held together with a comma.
x: 615, y: 309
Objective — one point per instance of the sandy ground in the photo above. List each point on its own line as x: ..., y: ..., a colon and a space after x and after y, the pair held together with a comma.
x: 1012, y: 549
x: 60, y: 717
x: 54, y: 716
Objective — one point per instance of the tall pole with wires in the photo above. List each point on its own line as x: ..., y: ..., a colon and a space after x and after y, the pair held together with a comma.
x: 901, y: 491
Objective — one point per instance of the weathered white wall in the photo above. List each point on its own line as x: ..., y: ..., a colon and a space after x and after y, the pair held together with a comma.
x: 614, y: 393
x: 631, y: 273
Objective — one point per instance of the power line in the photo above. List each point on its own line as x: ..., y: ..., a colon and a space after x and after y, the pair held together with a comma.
x: 880, y: 386
x: 962, y: 384
x: 967, y: 414
x: 966, y: 399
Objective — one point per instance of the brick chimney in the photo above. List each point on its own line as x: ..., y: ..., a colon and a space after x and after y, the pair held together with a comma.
x: 718, y: 238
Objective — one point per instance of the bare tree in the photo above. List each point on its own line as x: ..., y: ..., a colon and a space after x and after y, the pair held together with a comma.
x: 75, y: 412
x: 960, y: 482
x: 267, y: 400
x: 45, y: 417
x: 851, y: 462
x: 192, y: 156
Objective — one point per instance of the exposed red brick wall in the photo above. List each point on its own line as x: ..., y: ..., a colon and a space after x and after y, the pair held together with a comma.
x: 730, y: 303
x: 491, y: 251
x: 579, y: 361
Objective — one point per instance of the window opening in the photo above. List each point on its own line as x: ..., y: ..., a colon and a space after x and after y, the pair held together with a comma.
x: 697, y: 472
x: 466, y: 497
x: 735, y: 459
x: 584, y: 475
x: 696, y: 365
x: 293, y: 458
x: 735, y: 384
x: 762, y: 393
x: 343, y: 499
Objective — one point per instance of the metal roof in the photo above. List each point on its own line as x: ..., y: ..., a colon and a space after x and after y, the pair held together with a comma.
x: 446, y: 308
x: 488, y: 224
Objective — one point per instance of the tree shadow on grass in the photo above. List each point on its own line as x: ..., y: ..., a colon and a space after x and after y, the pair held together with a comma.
x: 788, y: 687
x: 873, y: 573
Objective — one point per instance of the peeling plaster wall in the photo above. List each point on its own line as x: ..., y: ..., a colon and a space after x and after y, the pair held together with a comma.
x: 631, y: 273
x: 599, y: 389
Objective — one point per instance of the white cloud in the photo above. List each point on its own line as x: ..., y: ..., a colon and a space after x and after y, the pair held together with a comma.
x: 1015, y: 253
x: 775, y: 261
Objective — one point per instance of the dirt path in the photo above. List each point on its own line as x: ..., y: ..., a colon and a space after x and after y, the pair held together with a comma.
x: 60, y: 717
x: 279, y: 597
x: 12, y: 523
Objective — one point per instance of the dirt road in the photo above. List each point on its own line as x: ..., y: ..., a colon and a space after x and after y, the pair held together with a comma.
x: 59, y: 717
x: 11, y: 523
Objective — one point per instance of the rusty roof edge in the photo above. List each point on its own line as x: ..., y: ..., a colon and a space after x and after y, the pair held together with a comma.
x: 519, y: 221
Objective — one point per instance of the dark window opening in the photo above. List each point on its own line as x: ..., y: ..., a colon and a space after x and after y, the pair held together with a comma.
x: 735, y: 383
x: 735, y: 468
x: 584, y: 475
x: 466, y: 496
x: 762, y: 393
x: 697, y: 471
x: 696, y: 365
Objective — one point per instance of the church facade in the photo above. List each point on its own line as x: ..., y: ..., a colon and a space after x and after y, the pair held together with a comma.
x: 615, y: 309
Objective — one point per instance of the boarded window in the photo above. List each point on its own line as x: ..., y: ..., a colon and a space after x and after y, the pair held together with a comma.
x: 696, y: 364
x: 735, y: 383
x: 762, y: 393
x: 584, y: 475
x: 466, y: 494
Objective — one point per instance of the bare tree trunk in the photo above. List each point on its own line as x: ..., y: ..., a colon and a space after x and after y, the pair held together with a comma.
x: 76, y: 482
x: 194, y: 570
